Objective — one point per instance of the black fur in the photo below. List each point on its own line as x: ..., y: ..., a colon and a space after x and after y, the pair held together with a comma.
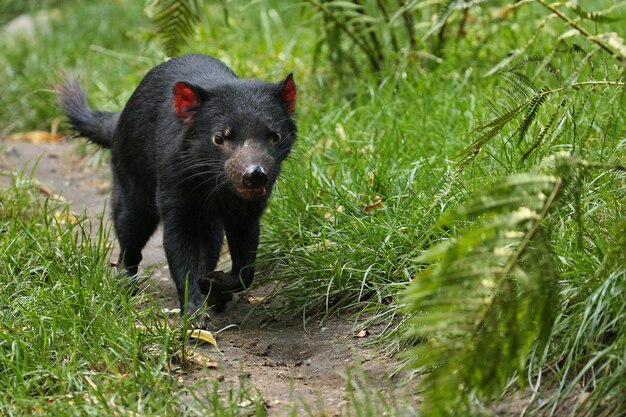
x: 203, y: 168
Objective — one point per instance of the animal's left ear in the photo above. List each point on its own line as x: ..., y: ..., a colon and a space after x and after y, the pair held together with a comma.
x: 287, y: 93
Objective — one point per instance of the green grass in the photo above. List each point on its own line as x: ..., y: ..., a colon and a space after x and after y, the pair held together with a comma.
x: 392, y: 138
x: 79, y: 40
x: 72, y: 339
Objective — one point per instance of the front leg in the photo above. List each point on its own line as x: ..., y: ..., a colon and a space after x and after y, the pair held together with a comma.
x: 183, y: 254
x: 243, y: 239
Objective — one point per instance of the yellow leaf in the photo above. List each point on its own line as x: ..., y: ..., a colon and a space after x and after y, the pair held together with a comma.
x: 63, y: 217
x: 203, y: 335
x: 36, y: 136
x: 256, y: 300
x: 202, y: 360
x: 363, y: 333
x: 8, y: 330
x: 90, y: 382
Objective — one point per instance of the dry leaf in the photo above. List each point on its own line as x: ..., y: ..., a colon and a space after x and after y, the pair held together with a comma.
x: 202, y: 335
x: 45, y: 190
x: 340, y: 132
x: 152, y: 329
x: 63, y: 217
x: 13, y: 329
x: 91, y: 383
x: 376, y: 205
x: 256, y: 300
x: 321, y: 246
x: 36, y: 136
x: 503, y: 12
x: 201, y: 360
x: 363, y: 333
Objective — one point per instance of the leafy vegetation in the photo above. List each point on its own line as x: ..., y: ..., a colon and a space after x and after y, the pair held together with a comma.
x: 459, y: 178
x: 175, y: 20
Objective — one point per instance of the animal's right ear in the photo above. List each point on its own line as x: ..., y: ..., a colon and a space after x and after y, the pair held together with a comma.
x: 187, y: 98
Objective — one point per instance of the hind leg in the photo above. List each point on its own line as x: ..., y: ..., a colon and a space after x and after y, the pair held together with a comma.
x: 135, y: 218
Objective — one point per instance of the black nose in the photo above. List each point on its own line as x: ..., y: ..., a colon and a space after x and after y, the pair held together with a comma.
x: 254, y: 177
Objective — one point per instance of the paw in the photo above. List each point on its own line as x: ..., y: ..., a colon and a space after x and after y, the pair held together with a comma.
x: 217, y: 302
x: 220, y: 281
x: 216, y: 281
x: 215, y: 288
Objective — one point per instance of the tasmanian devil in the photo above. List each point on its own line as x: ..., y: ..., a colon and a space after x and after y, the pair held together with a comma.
x: 198, y: 149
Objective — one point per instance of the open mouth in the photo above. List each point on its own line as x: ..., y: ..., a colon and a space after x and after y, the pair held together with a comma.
x: 261, y: 191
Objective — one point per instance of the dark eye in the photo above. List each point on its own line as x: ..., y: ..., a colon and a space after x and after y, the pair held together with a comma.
x: 275, y: 138
x: 218, y: 139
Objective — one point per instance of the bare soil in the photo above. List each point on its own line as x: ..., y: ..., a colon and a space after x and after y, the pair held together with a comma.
x: 289, y: 364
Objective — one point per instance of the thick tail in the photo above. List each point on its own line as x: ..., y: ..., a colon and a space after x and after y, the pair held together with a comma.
x: 97, y: 126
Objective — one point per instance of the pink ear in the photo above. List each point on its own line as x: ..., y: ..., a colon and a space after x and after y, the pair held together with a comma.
x: 185, y: 99
x: 288, y: 93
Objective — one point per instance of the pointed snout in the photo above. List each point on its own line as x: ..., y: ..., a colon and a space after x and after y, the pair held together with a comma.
x: 254, y: 177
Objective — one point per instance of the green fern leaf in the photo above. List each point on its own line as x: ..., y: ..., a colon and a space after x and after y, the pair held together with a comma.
x: 174, y: 21
x: 534, y: 59
x: 517, y: 78
x: 531, y: 113
x: 488, y: 295
x: 494, y: 127
x: 539, y: 139
x: 593, y: 16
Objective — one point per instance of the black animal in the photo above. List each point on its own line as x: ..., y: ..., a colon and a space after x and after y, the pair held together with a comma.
x: 198, y: 149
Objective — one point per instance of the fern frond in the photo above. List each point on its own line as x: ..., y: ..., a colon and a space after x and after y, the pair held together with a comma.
x: 174, y: 21
x: 520, y: 83
x: 531, y: 112
x: 539, y: 139
x: 597, y: 17
x: 580, y: 66
x: 530, y: 107
x: 494, y: 127
x: 534, y: 59
x: 488, y: 295
x: 504, y: 197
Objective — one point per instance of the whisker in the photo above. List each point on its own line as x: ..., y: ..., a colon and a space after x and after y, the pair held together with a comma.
x: 209, y: 167
x: 220, y: 182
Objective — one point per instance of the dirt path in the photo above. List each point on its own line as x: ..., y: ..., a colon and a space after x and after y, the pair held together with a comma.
x: 281, y: 359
